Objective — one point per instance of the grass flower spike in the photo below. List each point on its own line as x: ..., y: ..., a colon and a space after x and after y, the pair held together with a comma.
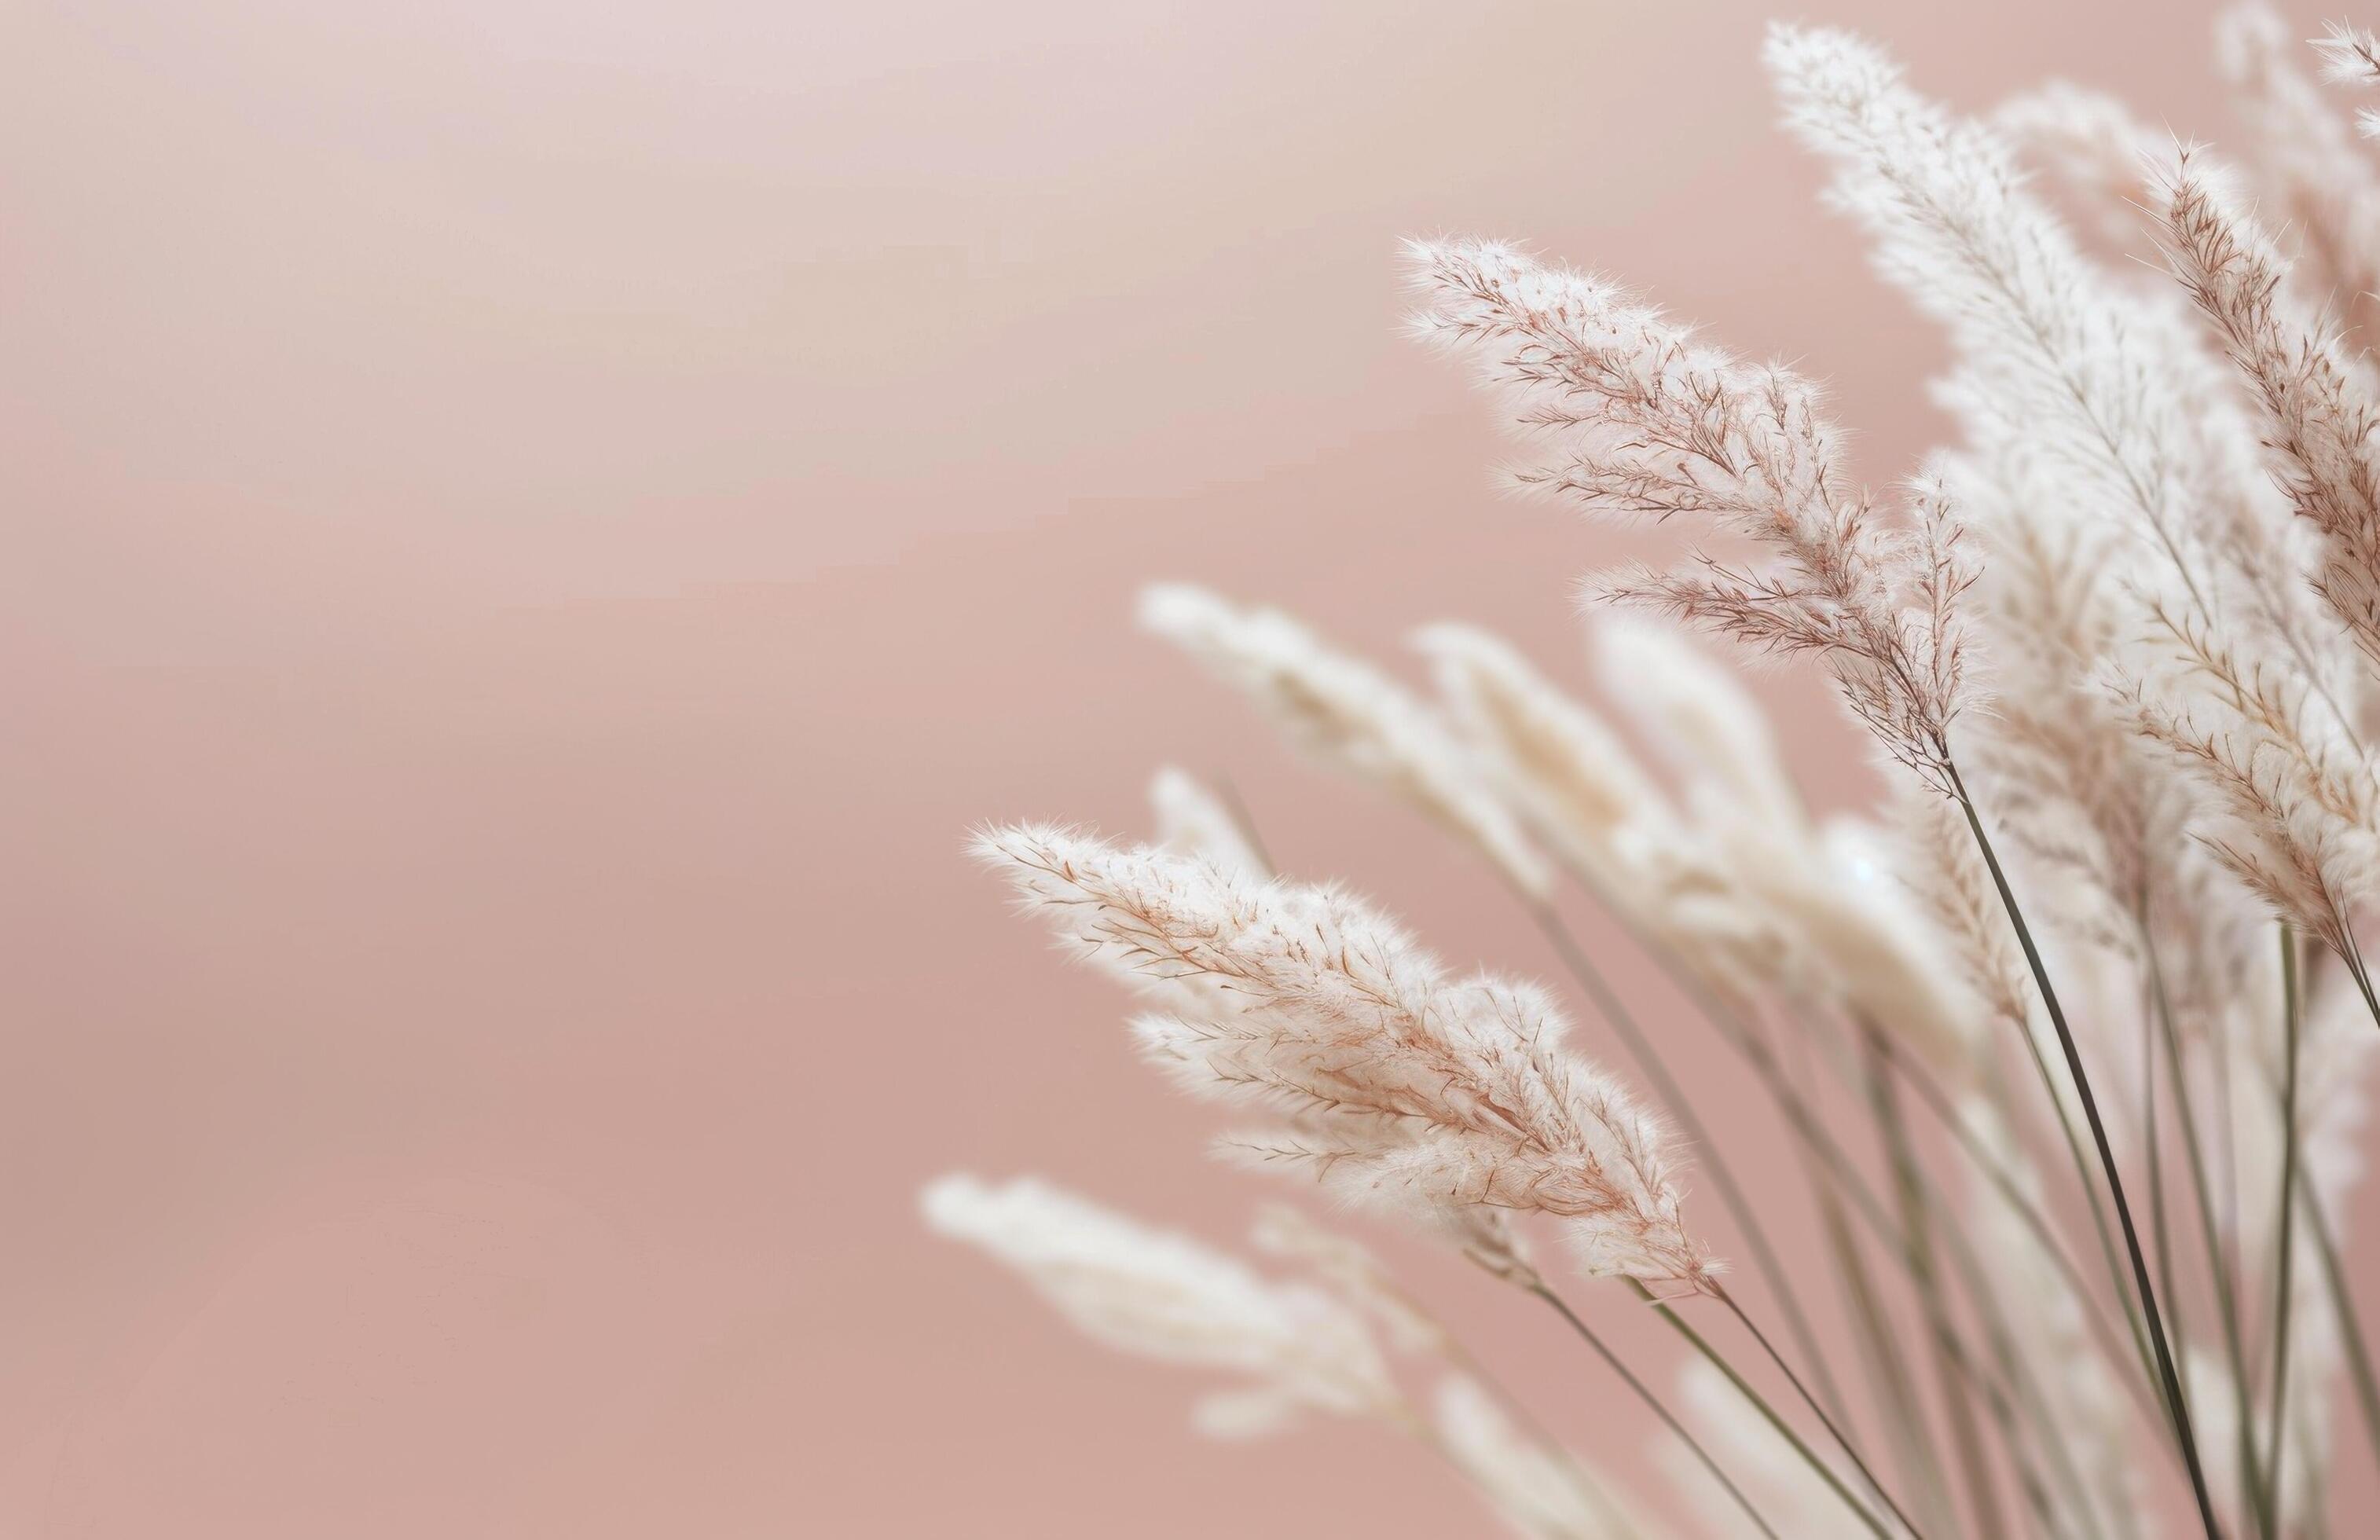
x: 1401, y: 1087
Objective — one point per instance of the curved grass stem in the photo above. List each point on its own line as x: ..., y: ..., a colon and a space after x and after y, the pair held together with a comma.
x: 2177, y: 1404
x: 1652, y: 1402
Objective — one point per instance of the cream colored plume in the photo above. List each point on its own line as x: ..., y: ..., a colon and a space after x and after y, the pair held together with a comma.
x: 1347, y: 714
x: 1162, y: 1296
x: 1450, y: 1100
x: 1627, y: 413
x: 1192, y: 820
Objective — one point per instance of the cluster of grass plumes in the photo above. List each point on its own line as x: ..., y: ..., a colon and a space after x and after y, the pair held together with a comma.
x: 2067, y: 1042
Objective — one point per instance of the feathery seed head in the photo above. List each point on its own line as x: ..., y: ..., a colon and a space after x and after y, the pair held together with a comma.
x: 1398, y: 1086
x: 1348, y: 715
x: 1163, y: 1296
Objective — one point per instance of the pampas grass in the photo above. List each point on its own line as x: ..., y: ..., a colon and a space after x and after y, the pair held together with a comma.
x: 2068, y: 1038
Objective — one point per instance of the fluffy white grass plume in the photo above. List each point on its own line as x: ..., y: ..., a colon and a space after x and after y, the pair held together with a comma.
x: 2287, y: 806
x: 2139, y: 600
x: 1579, y: 782
x: 1833, y: 894
x: 2099, y: 381
x: 1192, y: 820
x: 1354, y: 1273
x: 1448, y: 1099
x: 2290, y: 771
x: 1630, y: 415
x: 2350, y: 56
x: 1346, y: 713
x: 1163, y: 1296
x: 1699, y: 713
x: 2318, y: 419
x: 2311, y: 172
x: 2091, y: 142
x: 2051, y: 355
x: 1587, y: 797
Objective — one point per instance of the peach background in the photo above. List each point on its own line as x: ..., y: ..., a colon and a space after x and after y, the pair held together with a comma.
x: 535, y: 528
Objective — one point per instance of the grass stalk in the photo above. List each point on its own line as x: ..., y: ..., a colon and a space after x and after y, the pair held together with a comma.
x: 1760, y: 1404
x: 1975, y: 1278
x: 1916, y: 1224
x: 1931, y: 1096
x: 1680, y: 1108
x: 2227, y: 1291
x: 2351, y: 1318
x: 1813, y: 1139
x: 2160, y: 1229
x: 1653, y: 1403
x: 2287, y: 1245
x: 2177, y: 1403
x: 1894, y: 1394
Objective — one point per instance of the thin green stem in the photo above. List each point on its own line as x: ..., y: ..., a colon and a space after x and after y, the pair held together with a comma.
x: 1760, y: 1404
x: 2350, y: 1319
x: 1681, y: 1107
x: 2160, y: 1232
x: 2175, y: 1401
x: 1976, y: 1278
x: 2352, y: 953
x: 1812, y: 1138
x: 1888, y: 1380
x: 1938, y: 1101
x: 2051, y: 1438
x: 1916, y: 1224
x: 2280, y: 1414
x: 1459, y: 1358
x: 1653, y: 1403
x: 2226, y: 1293
x: 1785, y: 1368
x: 2124, y: 1295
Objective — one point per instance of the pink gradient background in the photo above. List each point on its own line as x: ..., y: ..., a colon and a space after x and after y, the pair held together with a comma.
x: 535, y: 530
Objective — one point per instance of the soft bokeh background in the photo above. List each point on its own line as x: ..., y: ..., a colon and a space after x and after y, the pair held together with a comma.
x: 533, y: 530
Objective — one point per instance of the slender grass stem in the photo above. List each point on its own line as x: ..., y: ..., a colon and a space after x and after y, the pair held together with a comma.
x: 1654, y: 1404
x: 1459, y: 1358
x: 1996, y: 1399
x: 2052, y: 1439
x: 2281, y: 1265
x: 1760, y: 1404
x: 1938, y: 1101
x: 2160, y: 1231
x: 2177, y: 1403
x: 1895, y: 1389
x: 2090, y: 1186
x: 1816, y: 1144
x: 2350, y: 1319
x: 1888, y: 1382
x: 1916, y: 1222
x: 2353, y: 955
x: 1680, y: 1108
x: 1819, y: 1154
x: 2227, y: 1293
x: 1812, y: 1138
x: 1786, y: 1368
x: 1976, y: 1278
x: 2014, y: 1377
